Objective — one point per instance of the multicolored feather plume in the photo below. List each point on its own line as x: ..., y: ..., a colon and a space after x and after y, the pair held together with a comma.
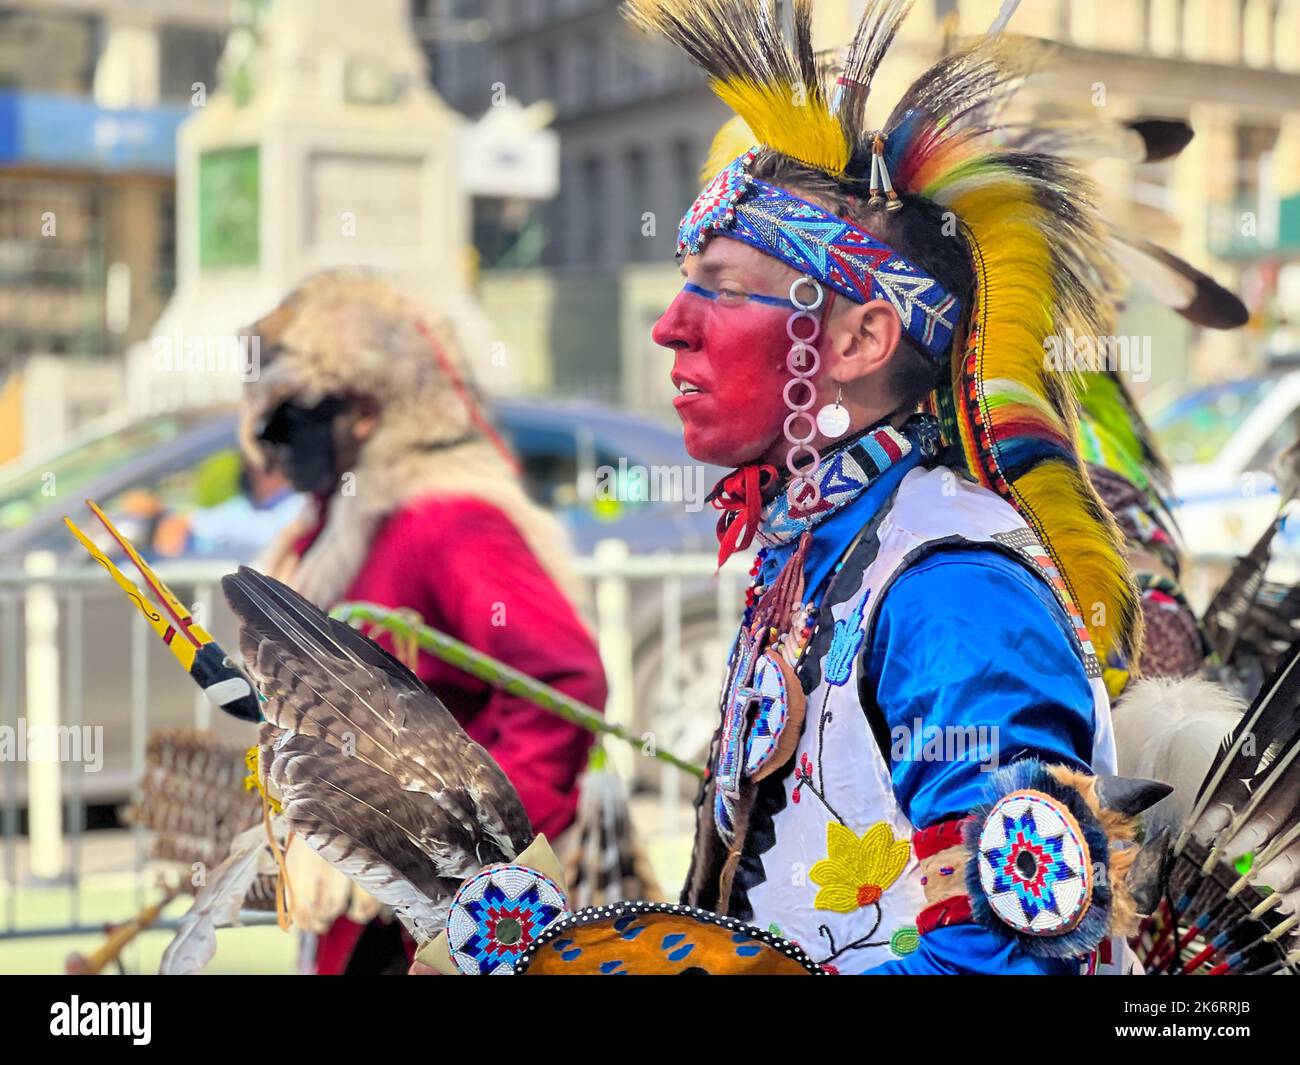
x: 1037, y: 245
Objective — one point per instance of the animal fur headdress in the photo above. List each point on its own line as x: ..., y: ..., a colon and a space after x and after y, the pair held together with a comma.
x: 1036, y: 245
x: 349, y: 333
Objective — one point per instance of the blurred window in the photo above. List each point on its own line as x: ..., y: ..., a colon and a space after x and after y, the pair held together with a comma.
x: 165, y: 256
x: 585, y: 57
x: 548, y: 75
x: 686, y: 175
x: 51, y: 289
x: 48, y: 51
x: 187, y: 55
x: 1255, y: 145
x: 591, y: 248
x: 637, y: 190
x: 549, y: 457
x: 1195, y: 429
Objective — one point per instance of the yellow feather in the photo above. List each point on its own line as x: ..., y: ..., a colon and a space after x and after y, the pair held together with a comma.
x: 1088, y: 550
x: 656, y: 14
x: 790, y: 119
x: 731, y: 141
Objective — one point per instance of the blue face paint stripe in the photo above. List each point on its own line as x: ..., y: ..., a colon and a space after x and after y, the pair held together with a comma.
x: 697, y: 290
x: 709, y: 294
x: 773, y: 301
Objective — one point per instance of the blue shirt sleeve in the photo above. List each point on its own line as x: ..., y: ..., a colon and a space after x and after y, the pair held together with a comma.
x: 969, y: 644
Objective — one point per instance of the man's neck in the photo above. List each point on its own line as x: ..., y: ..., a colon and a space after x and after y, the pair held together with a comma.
x: 775, y: 455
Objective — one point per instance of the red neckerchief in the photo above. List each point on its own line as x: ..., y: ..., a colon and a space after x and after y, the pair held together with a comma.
x: 739, y: 496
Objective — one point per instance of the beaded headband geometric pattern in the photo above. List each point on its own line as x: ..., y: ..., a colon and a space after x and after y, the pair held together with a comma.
x: 822, y: 245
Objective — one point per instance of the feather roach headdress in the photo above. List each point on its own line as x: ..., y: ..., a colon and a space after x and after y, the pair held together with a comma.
x: 1037, y: 248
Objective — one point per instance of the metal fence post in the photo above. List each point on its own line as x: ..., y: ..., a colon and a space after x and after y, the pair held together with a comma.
x: 9, y: 643
x: 613, y: 629
x: 44, y: 786
x: 75, y: 701
x: 670, y: 696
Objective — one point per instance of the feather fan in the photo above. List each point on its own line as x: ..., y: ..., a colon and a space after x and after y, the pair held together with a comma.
x: 1231, y: 881
x: 372, y: 770
x: 193, y: 802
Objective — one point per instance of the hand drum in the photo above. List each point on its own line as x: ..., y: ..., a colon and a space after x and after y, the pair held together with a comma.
x: 659, y: 939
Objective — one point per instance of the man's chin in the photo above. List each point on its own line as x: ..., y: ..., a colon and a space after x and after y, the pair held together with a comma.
x: 708, y: 448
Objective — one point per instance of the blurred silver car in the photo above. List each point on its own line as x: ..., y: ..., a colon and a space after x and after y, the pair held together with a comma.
x: 165, y: 463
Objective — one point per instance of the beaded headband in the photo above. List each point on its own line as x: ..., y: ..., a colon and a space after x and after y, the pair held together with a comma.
x: 822, y: 245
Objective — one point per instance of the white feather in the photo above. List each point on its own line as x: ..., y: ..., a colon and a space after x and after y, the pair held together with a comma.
x: 219, y: 901
x: 1169, y: 730
x: 1004, y: 16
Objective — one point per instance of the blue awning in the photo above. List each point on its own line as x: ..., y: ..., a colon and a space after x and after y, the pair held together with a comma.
x: 47, y: 129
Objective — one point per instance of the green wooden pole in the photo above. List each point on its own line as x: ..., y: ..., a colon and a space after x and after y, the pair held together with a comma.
x: 486, y: 668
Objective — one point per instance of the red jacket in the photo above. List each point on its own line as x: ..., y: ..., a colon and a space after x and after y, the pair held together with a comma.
x: 464, y: 567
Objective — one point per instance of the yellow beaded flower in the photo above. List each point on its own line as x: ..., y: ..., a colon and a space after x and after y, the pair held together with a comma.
x: 857, y: 871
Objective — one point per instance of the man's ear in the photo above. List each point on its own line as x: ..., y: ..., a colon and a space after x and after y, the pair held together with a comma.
x: 865, y: 341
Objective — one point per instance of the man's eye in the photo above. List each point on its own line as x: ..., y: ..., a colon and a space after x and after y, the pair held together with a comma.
x: 732, y: 295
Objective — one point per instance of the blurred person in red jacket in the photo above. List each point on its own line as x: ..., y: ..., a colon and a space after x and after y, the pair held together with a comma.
x: 365, y: 402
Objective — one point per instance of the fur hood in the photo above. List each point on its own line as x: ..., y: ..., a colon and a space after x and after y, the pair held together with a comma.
x: 348, y: 333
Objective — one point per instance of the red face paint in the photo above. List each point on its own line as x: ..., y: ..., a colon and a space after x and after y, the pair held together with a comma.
x: 732, y: 349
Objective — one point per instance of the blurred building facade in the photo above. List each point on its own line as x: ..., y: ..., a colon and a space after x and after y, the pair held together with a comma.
x: 91, y: 95
x: 92, y: 92
x: 587, y: 273
x: 169, y: 169
x: 635, y: 122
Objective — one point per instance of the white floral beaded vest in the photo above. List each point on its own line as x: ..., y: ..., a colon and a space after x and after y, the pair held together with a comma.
x: 817, y: 848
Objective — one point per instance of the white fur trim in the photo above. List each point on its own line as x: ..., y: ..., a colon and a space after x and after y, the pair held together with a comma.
x: 1168, y: 729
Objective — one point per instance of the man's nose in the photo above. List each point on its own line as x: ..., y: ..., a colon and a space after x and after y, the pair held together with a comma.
x: 676, y: 327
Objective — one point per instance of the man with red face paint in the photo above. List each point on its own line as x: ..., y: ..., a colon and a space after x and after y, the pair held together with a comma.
x: 908, y: 774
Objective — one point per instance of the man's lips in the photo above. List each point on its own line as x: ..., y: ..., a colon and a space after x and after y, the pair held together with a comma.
x: 685, y: 385
x: 687, y: 391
